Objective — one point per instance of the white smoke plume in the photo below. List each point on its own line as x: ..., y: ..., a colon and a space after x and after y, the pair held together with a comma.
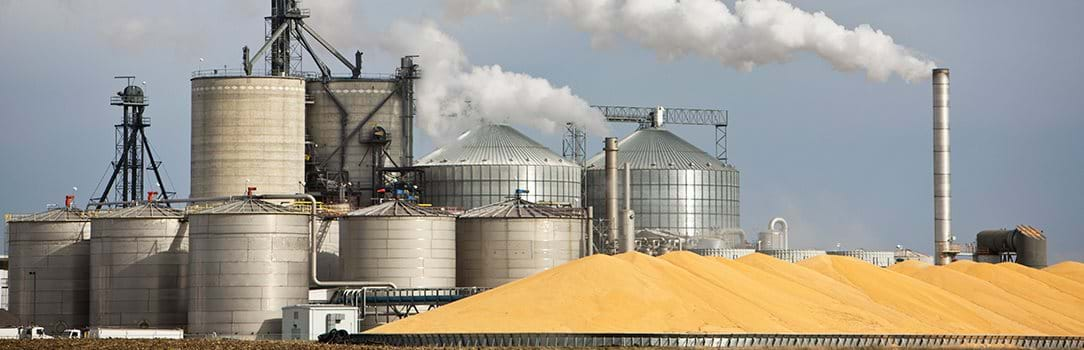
x: 449, y: 81
x: 756, y: 32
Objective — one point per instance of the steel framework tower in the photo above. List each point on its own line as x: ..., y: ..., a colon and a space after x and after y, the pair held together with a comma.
x: 132, y: 149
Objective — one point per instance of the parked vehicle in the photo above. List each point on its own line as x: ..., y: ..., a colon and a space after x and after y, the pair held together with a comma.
x: 134, y: 333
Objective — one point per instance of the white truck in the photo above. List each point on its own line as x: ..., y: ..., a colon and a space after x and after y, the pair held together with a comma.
x: 9, y: 333
x: 33, y: 333
x: 134, y: 333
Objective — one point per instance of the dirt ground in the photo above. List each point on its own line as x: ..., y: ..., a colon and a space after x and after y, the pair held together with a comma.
x: 203, y: 344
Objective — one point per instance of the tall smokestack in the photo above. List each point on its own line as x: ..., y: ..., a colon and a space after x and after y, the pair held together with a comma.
x: 942, y: 193
x: 610, y: 149
x: 628, y: 223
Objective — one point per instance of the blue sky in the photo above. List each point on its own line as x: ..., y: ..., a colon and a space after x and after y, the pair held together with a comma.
x: 846, y: 160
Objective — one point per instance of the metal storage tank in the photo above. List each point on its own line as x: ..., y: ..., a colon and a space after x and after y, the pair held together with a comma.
x: 882, y: 259
x: 399, y: 242
x: 731, y: 253
x: 792, y: 255
x: 138, y: 268
x: 326, y: 127
x: 49, y: 268
x: 248, y: 259
x: 675, y: 186
x: 247, y: 131
x: 770, y: 240
x: 327, y: 245
x: 489, y: 162
x: 509, y: 240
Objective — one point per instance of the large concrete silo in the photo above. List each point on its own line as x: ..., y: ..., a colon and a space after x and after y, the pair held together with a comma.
x: 490, y: 162
x: 49, y: 268
x: 399, y: 242
x: 138, y: 268
x: 247, y: 131
x: 248, y: 259
x: 509, y: 240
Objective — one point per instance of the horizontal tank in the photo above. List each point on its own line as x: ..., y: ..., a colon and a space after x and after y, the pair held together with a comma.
x: 49, y: 268
x: 729, y: 253
x: 248, y: 259
x: 247, y: 131
x: 489, y: 162
x: 138, y: 268
x: 792, y: 255
x: 362, y: 155
x: 399, y: 242
x: 675, y: 186
x: 509, y: 240
x: 879, y: 258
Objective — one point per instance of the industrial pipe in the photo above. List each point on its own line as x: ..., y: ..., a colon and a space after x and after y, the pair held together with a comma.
x: 942, y: 193
x: 1028, y: 243
x: 785, y: 231
x: 628, y: 223
x: 590, y: 231
x: 610, y: 149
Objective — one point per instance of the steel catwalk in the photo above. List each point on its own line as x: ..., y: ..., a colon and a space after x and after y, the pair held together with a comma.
x: 139, y: 268
x: 399, y: 242
x: 488, y: 163
x: 792, y: 255
x: 247, y: 131
x: 248, y: 259
x: 49, y: 268
x: 676, y: 187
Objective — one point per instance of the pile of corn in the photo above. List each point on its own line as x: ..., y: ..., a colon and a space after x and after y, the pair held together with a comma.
x: 682, y: 292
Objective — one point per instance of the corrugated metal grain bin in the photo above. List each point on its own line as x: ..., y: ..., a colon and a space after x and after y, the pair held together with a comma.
x: 49, y: 268
x: 399, y: 242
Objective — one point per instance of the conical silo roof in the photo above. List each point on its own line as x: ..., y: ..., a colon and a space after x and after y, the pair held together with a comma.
x: 53, y: 215
x: 657, y: 148
x: 250, y: 206
x: 147, y: 211
x: 493, y: 144
x: 520, y: 208
x: 397, y: 208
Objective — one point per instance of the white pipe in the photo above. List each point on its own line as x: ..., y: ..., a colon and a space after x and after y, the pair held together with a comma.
x: 942, y: 192
x: 628, y: 223
x: 611, y: 189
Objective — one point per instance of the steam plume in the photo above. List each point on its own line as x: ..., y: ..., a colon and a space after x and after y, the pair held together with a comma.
x: 449, y: 81
x: 756, y: 32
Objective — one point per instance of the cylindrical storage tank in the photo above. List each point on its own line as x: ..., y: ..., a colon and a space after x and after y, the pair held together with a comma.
x: 770, y: 240
x: 881, y: 259
x: 731, y: 253
x: 247, y: 131
x: 248, y: 259
x: 509, y: 240
x: 399, y: 242
x: 49, y: 268
x: 139, y: 268
x: 792, y: 255
x: 326, y: 127
x: 490, y: 162
x: 676, y: 187
x: 328, y: 261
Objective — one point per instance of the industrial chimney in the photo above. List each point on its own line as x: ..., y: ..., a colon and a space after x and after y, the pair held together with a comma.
x: 942, y: 193
x: 610, y: 149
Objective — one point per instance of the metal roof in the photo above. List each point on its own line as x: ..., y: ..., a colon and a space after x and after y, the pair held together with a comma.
x: 148, y: 211
x: 398, y: 208
x: 250, y: 206
x: 520, y: 208
x: 493, y: 144
x: 53, y: 215
x: 657, y: 148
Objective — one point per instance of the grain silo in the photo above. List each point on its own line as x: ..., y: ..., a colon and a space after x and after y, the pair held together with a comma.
x: 247, y: 131
x: 327, y: 248
x: 675, y: 186
x: 509, y: 240
x: 399, y: 242
x: 49, y: 268
x: 879, y: 258
x: 248, y: 259
x: 138, y: 268
x: 490, y: 162
x: 338, y: 107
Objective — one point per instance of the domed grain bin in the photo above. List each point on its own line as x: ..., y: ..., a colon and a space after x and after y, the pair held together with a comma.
x: 325, y: 125
x: 399, y: 242
x: 879, y: 258
x: 49, y: 268
x: 675, y: 186
x: 247, y: 131
x: 489, y: 162
x: 138, y: 268
x: 509, y: 240
x: 248, y: 259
